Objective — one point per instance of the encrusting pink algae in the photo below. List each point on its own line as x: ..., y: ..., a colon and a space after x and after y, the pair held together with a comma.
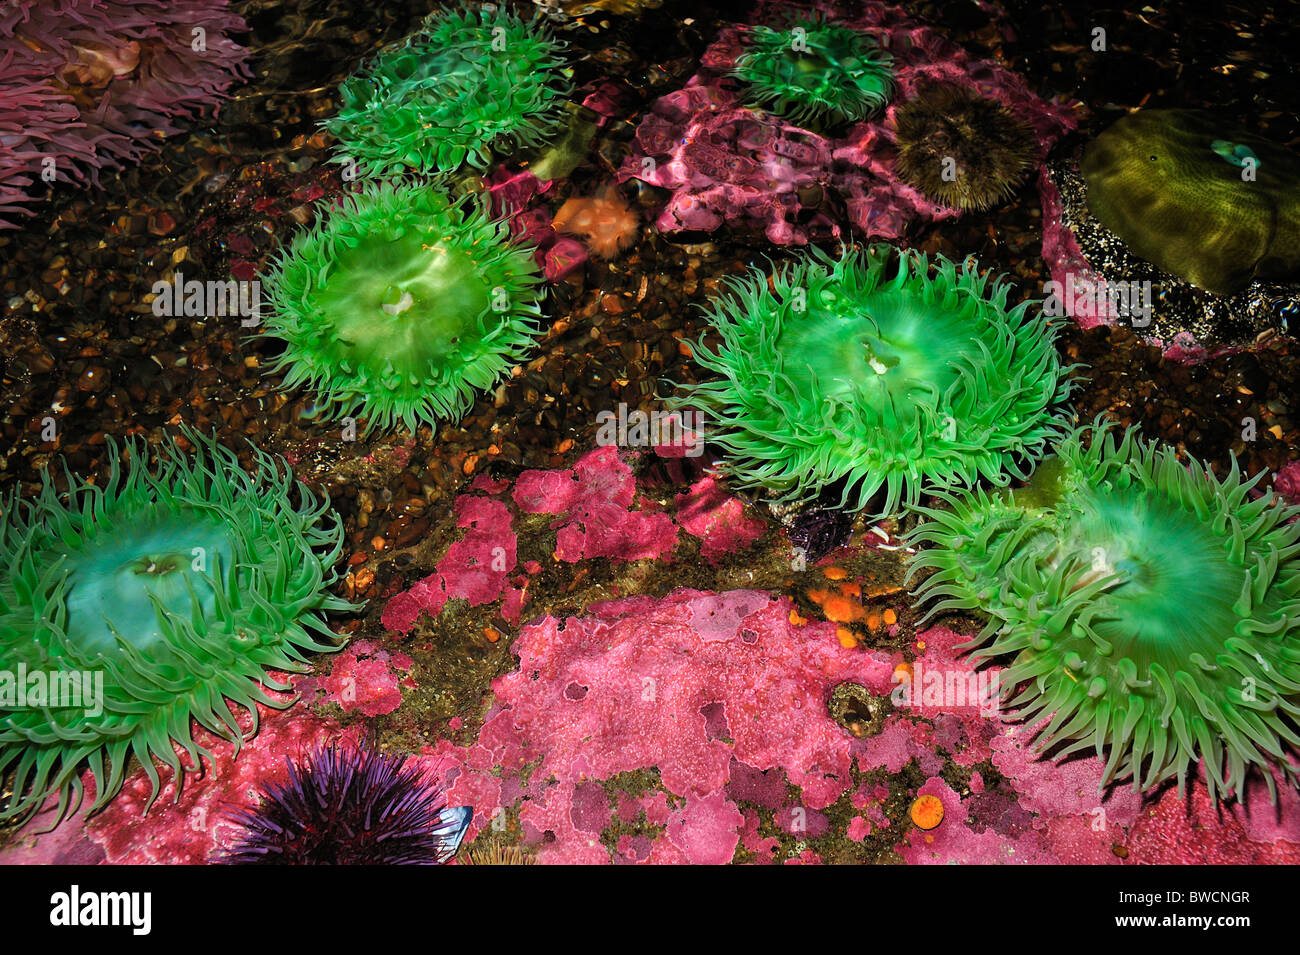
x: 691, y: 727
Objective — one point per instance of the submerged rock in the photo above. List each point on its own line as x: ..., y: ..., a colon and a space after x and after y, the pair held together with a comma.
x: 1217, y: 206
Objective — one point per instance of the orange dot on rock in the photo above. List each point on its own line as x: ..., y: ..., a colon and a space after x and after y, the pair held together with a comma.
x: 835, y: 573
x: 927, y: 812
x: 840, y: 609
x: 847, y: 639
x: 891, y: 618
x: 795, y: 619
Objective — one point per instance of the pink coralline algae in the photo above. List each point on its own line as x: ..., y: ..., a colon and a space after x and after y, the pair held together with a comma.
x: 1083, y: 292
x: 1050, y: 811
x: 693, y: 685
x: 1185, y: 829
x: 806, y: 857
x: 955, y: 840
x: 1072, y: 786
x: 190, y: 830
x: 599, y: 515
x: 1042, y: 812
x: 364, y: 678
x: 943, y: 703
x: 706, y: 511
x: 725, y: 163
x: 514, y: 194
x: 1287, y: 482
x: 707, y: 830
x: 91, y: 84
x: 593, y: 501
x: 477, y: 568
x: 721, y: 702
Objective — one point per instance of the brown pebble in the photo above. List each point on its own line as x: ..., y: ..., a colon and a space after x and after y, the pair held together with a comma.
x: 411, y: 532
x: 93, y: 378
x: 360, y: 581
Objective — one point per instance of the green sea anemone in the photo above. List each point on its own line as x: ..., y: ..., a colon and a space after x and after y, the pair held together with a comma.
x: 403, y: 305
x: 472, y: 81
x: 962, y: 149
x: 1216, y: 206
x: 844, y: 375
x: 816, y: 71
x: 1153, y: 609
x: 130, y: 608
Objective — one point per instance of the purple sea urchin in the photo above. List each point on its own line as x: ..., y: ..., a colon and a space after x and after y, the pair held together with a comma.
x: 469, y: 82
x: 90, y: 84
x: 962, y: 149
x: 843, y: 375
x: 816, y: 71
x: 403, y: 305
x: 350, y: 807
x: 167, y: 594
x: 1153, y: 608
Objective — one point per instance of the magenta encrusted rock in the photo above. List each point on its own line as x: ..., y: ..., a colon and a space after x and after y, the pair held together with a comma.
x: 727, y: 163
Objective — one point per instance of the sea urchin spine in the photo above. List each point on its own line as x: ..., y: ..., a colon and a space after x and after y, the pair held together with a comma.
x: 349, y: 807
x: 1153, y: 609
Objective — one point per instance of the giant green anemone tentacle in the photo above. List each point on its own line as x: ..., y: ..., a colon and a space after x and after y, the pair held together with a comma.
x: 1150, y: 609
x: 847, y: 373
x: 816, y: 71
x: 470, y: 83
x: 175, y: 590
x: 402, y: 305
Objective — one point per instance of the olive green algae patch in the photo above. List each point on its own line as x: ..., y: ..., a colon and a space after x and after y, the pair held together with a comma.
x: 1216, y: 206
